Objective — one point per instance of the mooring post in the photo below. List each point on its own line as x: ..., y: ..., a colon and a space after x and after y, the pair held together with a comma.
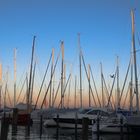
x: 4, y: 128
x: 28, y: 124
x: 128, y: 133
x: 57, y: 129
x: 76, y: 117
x: 98, y: 127
x: 41, y: 122
x: 14, y: 121
x: 121, y: 128
x: 15, y: 117
x: 85, y: 122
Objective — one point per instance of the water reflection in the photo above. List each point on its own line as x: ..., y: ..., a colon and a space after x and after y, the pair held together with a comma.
x: 21, y: 133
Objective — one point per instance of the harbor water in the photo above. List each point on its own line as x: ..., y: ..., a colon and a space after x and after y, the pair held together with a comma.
x: 22, y: 133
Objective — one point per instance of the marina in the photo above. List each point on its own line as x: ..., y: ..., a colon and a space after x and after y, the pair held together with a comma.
x: 76, y: 90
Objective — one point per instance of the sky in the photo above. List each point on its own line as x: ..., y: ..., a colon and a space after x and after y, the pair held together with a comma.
x: 104, y: 27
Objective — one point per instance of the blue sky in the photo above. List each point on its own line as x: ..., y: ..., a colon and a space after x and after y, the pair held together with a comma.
x: 105, y: 27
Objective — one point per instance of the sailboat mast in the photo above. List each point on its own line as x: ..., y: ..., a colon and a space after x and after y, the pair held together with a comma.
x: 15, y: 71
x: 69, y: 90
x: 134, y: 59
x: 53, y: 84
x: 131, y: 83
x: 33, y: 78
x: 89, y: 85
x: 50, y: 99
x: 30, y: 78
x: 75, y: 92
x: 5, y: 94
x: 64, y: 83
x: 118, y: 90
x: 103, y: 104
x: 80, y: 57
x: 62, y: 74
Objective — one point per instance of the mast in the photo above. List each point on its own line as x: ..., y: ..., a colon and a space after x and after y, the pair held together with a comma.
x: 53, y: 88
x: 118, y: 90
x: 15, y: 71
x: 50, y: 99
x: 134, y: 59
x: 131, y: 87
x: 69, y: 93
x: 64, y: 83
x: 89, y: 85
x: 62, y: 73
x: 53, y: 76
x: 103, y: 104
x: 27, y: 89
x: 30, y: 78
x: 80, y: 57
x: 5, y: 94
x: 31, y: 100
x: 0, y: 83
x: 75, y: 92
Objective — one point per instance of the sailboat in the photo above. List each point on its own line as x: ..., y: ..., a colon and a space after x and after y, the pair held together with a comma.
x: 21, y: 112
x: 113, y: 124
x: 133, y: 122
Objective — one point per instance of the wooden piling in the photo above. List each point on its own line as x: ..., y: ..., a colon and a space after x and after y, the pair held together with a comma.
x: 76, y: 117
x: 85, y: 122
x: 41, y: 122
x: 4, y: 128
x: 121, y: 128
x: 28, y: 124
x: 57, y: 129
x: 14, y: 121
x: 98, y: 127
x: 15, y: 117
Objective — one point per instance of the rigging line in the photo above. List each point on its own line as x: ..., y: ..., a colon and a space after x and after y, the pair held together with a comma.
x: 56, y: 93
x: 126, y: 96
x: 39, y: 72
x: 94, y: 82
x: 9, y: 96
x: 108, y: 92
x: 50, y: 80
x: 93, y: 97
x: 21, y: 90
x: 65, y: 89
x: 112, y: 89
x: 19, y: 82
x: 68, y: 100
x: 43, y: 81
x: 89, y: 82
x: 125, y: 79
x: 23, y: 98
